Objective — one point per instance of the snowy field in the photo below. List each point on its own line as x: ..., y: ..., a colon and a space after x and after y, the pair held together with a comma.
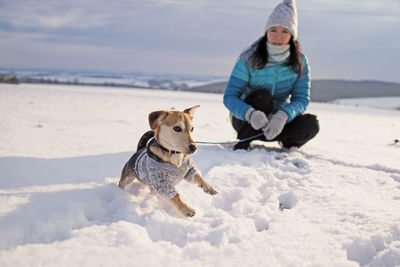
x: 334, y: 202
x: 380, y: 102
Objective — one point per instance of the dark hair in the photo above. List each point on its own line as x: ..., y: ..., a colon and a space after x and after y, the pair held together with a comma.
x: 260, y: 55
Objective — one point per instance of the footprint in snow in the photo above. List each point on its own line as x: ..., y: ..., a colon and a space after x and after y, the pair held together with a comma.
x: 287, y: 201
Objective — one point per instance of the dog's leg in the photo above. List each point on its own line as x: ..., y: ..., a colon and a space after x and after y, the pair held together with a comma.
x: 182, y: 206
x: 203, y: 184
x: 125, y: 180
x: 127, y: 176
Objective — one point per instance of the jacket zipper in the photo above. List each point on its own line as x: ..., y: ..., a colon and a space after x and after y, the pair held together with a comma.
x: 275, y: 79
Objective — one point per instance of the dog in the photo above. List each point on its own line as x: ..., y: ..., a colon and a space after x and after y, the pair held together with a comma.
x: 162, y: 157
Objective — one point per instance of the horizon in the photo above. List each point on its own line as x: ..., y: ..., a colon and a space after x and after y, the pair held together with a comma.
x: 182, y: 75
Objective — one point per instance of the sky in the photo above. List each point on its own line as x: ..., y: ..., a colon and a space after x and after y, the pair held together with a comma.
x: 357, y: 40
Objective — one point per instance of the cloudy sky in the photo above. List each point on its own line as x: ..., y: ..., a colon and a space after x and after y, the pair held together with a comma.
x: 357, y: 39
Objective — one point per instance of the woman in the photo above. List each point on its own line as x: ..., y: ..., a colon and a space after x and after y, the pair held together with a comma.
x: 269, y: 88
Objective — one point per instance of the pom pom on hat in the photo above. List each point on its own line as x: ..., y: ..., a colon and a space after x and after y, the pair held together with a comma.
x: 285, y: 15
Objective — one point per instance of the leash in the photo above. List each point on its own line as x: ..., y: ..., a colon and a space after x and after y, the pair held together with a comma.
x: 232, y: 142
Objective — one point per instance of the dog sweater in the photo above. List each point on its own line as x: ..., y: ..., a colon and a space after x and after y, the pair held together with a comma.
x: 163, y: 177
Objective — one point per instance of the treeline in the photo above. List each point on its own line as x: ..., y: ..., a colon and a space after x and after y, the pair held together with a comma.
x: 4, y: 78
x: 48, y: 80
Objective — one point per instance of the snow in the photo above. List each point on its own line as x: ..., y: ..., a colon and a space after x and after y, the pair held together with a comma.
x: 377, y: 102
x: 334, y: 202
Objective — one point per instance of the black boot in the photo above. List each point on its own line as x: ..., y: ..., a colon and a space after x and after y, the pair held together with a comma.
x: 242, y: 145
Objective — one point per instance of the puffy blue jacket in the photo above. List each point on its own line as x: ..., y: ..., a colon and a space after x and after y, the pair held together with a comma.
x: 290, y: 93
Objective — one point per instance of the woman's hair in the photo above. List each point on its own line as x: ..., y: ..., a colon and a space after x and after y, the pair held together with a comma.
x: 260, y: 55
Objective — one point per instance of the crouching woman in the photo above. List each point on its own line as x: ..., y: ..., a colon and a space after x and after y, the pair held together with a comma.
x: 269, y: 88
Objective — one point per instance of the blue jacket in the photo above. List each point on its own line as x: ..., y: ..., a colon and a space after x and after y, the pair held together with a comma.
x: 290, y: 93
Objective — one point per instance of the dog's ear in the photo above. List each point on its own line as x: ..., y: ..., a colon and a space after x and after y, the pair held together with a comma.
x: 191, y: 111
x: 156, y: 117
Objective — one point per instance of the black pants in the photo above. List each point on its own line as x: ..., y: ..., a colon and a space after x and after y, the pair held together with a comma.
x: 295, y: 133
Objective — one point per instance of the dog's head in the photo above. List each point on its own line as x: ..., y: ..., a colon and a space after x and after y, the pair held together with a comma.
x: 173, y: 129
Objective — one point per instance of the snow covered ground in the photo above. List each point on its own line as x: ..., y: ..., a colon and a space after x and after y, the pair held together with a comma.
x: 379, y: 102
x: 334, y: 202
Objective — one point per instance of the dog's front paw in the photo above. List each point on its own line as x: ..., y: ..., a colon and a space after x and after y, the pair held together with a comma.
x: 212, y: 191
x: 188, y: 212
x: 209, y: 189
x: 182, y: 206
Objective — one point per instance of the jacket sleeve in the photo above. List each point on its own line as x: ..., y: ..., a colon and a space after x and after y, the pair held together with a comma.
x: 300, y: 95
x: 237, y: 83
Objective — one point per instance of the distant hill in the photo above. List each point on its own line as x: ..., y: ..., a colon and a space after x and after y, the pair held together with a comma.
x: 329, y: 90
x: 218, y: 88
x: 321, y: 90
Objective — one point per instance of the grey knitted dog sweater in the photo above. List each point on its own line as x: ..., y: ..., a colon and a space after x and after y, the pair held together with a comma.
x: 163, y: 177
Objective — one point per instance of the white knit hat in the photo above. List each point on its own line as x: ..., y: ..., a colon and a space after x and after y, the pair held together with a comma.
x: 285, y: 15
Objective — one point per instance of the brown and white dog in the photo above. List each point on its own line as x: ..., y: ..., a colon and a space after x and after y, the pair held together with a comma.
x: 162, y: 157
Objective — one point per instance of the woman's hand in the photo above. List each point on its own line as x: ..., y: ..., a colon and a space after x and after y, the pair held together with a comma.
x: 275, y: 125
x: 257, y: 119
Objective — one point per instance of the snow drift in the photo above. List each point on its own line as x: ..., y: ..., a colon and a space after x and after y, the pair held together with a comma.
x: 334, y: 202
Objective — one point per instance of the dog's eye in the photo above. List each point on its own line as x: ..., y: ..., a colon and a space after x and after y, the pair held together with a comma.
x: 192, y: 129
x: 177, y: 129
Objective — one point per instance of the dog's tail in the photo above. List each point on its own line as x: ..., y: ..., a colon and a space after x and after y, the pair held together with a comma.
x: 144, y: 139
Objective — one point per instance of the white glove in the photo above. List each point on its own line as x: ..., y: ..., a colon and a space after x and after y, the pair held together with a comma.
x: 275, y: 125
x: 256, y: 118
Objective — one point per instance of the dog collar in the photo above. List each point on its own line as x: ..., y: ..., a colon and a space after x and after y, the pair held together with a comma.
x: 166, y: 149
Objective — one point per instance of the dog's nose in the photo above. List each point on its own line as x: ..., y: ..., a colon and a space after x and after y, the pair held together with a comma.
x: 192, y: 148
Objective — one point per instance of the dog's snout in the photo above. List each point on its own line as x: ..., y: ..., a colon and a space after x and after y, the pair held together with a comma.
x: 192, y: 148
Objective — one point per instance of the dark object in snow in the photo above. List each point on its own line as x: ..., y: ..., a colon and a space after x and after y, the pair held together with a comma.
x: 396, y: 141
x: 283, y: 206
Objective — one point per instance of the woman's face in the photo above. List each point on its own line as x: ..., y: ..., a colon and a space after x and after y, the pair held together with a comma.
x: 278, y: 35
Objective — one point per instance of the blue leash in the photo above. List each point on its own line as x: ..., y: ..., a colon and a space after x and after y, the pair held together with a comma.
x: 232, y: 142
